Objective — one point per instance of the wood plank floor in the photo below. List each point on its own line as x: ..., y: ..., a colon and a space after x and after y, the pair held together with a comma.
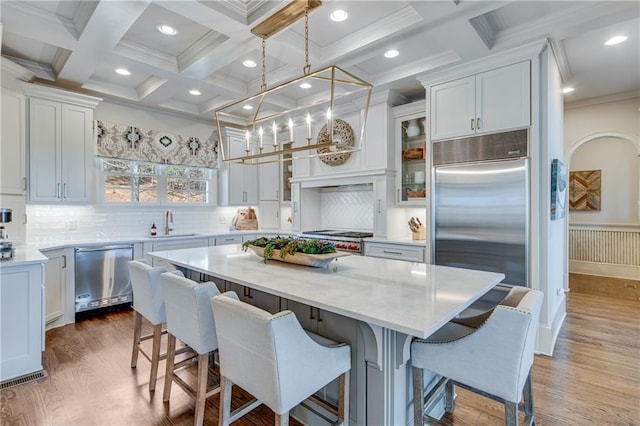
x: 592, y: 379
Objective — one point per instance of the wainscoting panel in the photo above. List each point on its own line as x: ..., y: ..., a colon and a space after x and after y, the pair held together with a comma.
x: 605, y: 260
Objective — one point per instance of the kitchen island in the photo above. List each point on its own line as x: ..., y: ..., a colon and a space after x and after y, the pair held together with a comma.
x: 377, y: 305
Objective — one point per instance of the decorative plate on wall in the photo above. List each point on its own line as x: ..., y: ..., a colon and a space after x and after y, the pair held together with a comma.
x: 342, y: 131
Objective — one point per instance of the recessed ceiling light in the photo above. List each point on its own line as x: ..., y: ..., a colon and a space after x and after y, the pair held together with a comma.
x: 167, y: 29
x: 249, y: 63
x: 305, y: 86
x: 123, y: 71
x: 392, y: 53
x: 568, y: 90
x: 615, y: 40
x: 338, y: 15
x: 247, y: 107
x: 195, y: 92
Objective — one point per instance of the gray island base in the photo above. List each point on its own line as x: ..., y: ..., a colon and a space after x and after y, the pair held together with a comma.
x: 376, y: 305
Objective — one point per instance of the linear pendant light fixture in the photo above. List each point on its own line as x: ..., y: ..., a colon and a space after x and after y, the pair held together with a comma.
x: 283, y: 119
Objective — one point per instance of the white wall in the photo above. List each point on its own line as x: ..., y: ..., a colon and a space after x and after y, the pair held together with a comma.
x: 551, y: 234
x: 605, y: 136
x: 618, y: 161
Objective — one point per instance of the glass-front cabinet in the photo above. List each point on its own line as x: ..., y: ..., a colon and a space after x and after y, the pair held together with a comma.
x: 412, y: 179
x: 286, y: 172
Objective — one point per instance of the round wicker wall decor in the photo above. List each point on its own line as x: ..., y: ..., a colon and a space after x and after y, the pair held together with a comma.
x: 342, y: 131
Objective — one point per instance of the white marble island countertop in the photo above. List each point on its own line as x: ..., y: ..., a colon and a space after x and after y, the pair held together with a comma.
x: 411, y: 298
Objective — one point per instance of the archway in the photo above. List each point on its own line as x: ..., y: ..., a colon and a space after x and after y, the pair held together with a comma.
x: 595, y: 243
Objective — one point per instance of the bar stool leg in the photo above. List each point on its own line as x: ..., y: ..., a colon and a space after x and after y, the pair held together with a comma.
x: 201, y: 390
x: 529, y: 408
x: 171, y: 357
x: 282, y: 419
x: 510, y: 413
x: 343, y: 398
x: 226, y: 387
x: 137, y: 329
x: 155, y: 356
x: 449, y: 400
x: 418, y: 397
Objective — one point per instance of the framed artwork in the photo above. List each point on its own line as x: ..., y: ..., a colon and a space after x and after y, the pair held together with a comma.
x: 584, y: 190
x: 558, y: 189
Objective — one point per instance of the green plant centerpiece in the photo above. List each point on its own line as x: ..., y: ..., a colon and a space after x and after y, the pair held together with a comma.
x: 289, y: 246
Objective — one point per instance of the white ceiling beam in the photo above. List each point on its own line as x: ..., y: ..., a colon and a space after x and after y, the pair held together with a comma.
x: 37, y: 70
x: 200, y: 49
x: 208, y: 107
x: 143, y: 54
x: 112, y: 90
x: 149, y: 86
x: 43, y: 26
x: 105, y: 28
x: 416, y: 67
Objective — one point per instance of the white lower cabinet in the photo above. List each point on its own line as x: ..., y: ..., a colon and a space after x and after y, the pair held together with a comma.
x: 340, y: 329
x: 176, y: 245
x: 21, y: 319
x: 227, y: 239
x: 266, y: 301
x: 269, y: 212
x: 407, y: 252
x: 55, y: 276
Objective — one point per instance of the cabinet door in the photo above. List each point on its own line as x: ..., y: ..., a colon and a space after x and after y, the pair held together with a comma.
x: 77, y: 153
x: 296, y: 226
x: 269, y: 216
x: 503, y: 98
x: 21, y: 322
x: 453, y: 109
x: 243, y: 292
x: 45, y: 151
x: 380, y: 212
x: 250, y: 185
x: 266, y: 301
x: 306, y: 315
x: 54, y: 285
x: 268, y: 181
x: 12, y: 144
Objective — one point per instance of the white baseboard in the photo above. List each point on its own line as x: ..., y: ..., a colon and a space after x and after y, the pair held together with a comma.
x: 548, y: 334
x: 604, y: 269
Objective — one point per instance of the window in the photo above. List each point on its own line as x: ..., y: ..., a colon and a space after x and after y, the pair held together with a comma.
x: 126, y: 181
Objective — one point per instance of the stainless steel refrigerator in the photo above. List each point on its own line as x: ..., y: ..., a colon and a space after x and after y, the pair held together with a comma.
x: 481, y: 204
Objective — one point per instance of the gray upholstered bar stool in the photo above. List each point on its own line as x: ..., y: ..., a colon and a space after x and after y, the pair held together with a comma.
x: 274, y: 359
x: 490, y: 354
x: 148, y: 302
x: 189, y: 318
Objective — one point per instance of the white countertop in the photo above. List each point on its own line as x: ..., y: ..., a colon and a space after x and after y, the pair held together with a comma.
x: 24, y: 255
x: 411, y: 298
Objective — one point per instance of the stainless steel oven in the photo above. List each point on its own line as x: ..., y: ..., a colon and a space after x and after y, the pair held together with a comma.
x: 346, y: 241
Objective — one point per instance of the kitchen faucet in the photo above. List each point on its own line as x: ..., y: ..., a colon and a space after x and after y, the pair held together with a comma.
x: 168, y: 218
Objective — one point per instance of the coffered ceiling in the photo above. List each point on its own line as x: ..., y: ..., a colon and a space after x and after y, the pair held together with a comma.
x: 79, y: 44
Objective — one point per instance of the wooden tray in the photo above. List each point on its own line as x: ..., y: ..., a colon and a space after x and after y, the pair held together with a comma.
x: 314, y: 260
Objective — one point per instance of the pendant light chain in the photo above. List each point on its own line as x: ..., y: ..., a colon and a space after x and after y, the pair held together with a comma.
x: 307, y: 67
x: 263, y: 87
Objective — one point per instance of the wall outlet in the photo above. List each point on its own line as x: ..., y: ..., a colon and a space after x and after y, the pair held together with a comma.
x: 222, y: 219
x: 72, y: 225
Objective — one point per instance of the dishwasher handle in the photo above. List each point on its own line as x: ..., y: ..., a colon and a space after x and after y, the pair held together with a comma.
x: 103, y: 248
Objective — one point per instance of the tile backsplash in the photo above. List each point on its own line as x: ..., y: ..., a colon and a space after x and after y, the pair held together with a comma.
x: 349, y: 207
x: 53, y: 223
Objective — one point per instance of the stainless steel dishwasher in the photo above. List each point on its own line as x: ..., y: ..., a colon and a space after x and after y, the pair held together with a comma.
x: 102, y: 276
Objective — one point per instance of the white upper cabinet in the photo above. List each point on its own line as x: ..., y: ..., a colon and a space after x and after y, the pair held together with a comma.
x: 61, y: 146
x: 412, y: 179
x: 488, y: 102
x: 12, y: 144
x: 269, y: 177
x: 238, y: 184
